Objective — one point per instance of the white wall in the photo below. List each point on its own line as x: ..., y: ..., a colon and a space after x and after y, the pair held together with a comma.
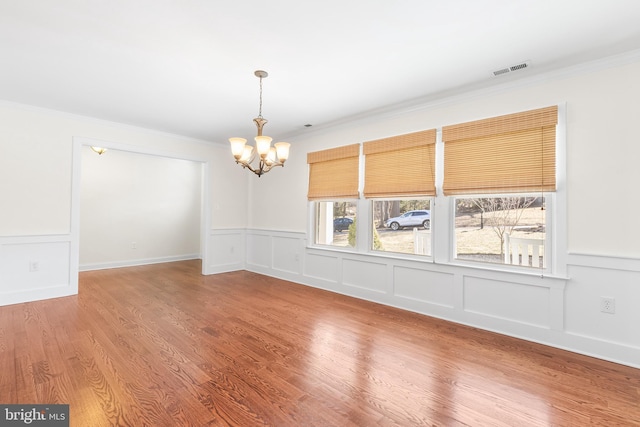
x: 36, y: 165
x: 602, y: 257
x: 138, y: 209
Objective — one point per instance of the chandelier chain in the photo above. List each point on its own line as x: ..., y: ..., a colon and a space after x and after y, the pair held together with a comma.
x: 260, y: 111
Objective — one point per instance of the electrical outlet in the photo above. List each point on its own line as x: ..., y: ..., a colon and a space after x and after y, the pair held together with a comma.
x: 134, y: 245
x: 34, y: 266
x: 608, y: 305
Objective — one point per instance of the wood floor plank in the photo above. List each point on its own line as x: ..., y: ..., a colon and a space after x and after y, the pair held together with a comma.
x: 163, y: 345
x: 8, y: 388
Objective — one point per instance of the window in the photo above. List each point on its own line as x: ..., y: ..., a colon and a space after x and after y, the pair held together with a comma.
x: 402, y: 226
x: 499, y: 169
x: 334, y: 174
x: 401, y: 166
x: 510, y: 229
x: 336, y: 223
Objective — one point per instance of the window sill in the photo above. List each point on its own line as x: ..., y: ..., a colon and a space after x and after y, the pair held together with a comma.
x: 342, y: 249
x: 530, y: 272
x: 505, y: 268
x: 379, y: 254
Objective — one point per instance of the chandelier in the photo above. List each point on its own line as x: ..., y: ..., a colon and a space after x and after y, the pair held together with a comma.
x: 268, y: 156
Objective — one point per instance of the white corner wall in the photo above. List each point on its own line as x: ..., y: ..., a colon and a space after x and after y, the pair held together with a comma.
x: 602, y: 257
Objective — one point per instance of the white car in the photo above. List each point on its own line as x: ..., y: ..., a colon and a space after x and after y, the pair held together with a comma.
x: 419, y: 218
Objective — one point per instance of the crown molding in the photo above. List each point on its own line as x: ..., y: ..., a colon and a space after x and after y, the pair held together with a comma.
x: 492, y: 86
x: 109, y: 123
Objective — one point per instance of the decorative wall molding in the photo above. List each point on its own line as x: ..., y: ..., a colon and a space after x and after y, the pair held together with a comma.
x: 546, y: 310
x: 605, y: 261
x: 36, y: 267
x: 227, y: 250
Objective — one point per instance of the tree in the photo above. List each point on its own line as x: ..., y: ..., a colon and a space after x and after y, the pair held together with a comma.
x: 377, y: 244
x: 340, y: 209
x: 385, y: 209
x: 412, y: 205
x: 503, y: 213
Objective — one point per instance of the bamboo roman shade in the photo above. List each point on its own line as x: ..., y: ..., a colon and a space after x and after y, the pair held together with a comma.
x: 507, y: 154
x: 333, y: 173
x: 401, y: 165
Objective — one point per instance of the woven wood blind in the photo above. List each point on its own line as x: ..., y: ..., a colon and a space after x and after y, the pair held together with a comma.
x: 401, y: 165
x: 333, y: 173
x: 507, y: 154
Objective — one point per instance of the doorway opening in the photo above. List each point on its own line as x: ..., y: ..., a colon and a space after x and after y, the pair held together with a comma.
x: 121, y: 207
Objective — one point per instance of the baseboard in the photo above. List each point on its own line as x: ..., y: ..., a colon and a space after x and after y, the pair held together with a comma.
x: 137, y: 262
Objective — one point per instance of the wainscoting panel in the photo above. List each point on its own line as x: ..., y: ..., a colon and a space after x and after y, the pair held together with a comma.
x: 424, y: 286
x: 323, y: 266
x: 507, y: 301
x: 367, y: 275
x: 287, y: 254
x: 259, y: 249
x: 227, y: 250
x: 584, y: 316
x: 34, y: 268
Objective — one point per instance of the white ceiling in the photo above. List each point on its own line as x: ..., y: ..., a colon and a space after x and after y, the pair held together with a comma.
x: 186, y: 66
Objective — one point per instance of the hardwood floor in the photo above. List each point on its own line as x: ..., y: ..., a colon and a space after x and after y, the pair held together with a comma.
x: 162, y: 345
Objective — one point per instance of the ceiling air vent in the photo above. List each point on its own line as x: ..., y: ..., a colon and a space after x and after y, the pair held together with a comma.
x: 511, y: 69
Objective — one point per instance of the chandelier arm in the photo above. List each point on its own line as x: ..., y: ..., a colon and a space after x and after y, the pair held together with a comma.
x: 258, y: 171
x: 262, y: 167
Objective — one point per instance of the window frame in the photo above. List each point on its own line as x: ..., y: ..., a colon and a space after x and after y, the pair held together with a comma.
x: 549, y: 240
x: 314, y: 229
x: 402, y: 255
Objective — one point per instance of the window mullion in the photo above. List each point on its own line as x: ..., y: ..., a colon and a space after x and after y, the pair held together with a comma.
x: 441, y: 217
x: 363, y: 225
